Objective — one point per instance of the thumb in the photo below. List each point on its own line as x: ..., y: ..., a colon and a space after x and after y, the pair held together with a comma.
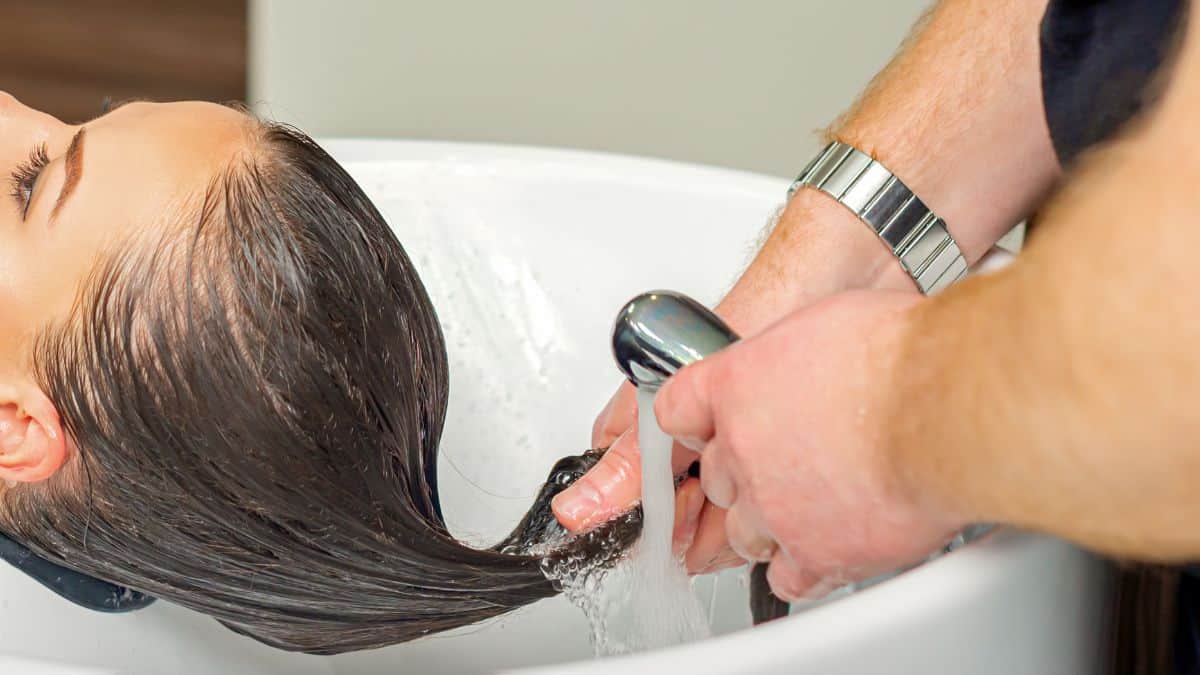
x: 683, y: 406
x: 611, y: 487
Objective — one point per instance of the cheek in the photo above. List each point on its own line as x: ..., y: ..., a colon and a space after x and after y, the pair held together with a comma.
x: 14, y: 263
x: 17, y: 300
x: 36, y: 287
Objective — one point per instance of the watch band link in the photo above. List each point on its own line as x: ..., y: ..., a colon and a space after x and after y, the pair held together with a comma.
x: 917, y: 237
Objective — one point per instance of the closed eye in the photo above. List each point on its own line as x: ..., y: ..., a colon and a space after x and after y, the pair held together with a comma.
x: 25, y: 176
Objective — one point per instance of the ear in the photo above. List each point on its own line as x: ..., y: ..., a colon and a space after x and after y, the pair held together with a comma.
x: 32, y: 445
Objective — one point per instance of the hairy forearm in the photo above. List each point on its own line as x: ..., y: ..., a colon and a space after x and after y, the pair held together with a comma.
x: 958, y: 116
x: 1061, y: 394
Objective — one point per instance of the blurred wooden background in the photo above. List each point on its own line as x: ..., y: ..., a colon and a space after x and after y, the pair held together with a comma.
x: 66, y: 56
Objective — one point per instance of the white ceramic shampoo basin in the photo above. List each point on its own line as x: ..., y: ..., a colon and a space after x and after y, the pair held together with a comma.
x: 528, y: 254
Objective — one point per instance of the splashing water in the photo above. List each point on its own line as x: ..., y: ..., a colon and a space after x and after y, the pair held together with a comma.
x: 646, y: 601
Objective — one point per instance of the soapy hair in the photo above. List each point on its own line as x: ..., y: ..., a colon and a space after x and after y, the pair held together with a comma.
x: 257, y: 405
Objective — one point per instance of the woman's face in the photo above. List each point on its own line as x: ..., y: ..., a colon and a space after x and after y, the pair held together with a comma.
x: 76, y: 191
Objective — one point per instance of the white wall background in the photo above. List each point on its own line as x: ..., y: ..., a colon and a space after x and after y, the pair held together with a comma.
x: 743, y: 84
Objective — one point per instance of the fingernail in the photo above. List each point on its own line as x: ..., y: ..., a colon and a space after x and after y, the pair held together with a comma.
x: 692, y: 443
x: 694, y: 504
x: 721, y: 561
x: 682, y: 502
x: 687, y: 514
x: 577, y: 503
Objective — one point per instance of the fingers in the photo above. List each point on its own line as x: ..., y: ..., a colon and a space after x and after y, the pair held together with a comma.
x: 710, y: 550
x: 787, y: 581
x: 683, y: 406
x: 715, y: 478
x: 725, y: 560
x: 689, y: 502
x: 611, y: 487
x: 747, y: 535
x: 790, y: 582
x: 618, y: 415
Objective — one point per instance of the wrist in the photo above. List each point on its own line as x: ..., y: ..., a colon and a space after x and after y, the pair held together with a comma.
x: 816, y: 249
x: 979, y: 199
x: 856, y: 256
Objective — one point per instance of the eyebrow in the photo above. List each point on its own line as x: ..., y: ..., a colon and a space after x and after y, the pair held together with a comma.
x: 74, y: 163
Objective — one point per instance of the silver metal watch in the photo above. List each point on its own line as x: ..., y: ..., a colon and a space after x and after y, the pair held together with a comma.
x: 915, y: 234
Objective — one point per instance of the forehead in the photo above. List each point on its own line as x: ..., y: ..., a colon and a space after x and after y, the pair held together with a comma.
x: 145, y: 168
x: 155, y: 154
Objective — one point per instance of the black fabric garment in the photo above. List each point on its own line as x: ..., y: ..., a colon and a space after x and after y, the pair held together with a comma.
x: 1098, y: 58
x: 81, y: 589
x: 1187, y: 629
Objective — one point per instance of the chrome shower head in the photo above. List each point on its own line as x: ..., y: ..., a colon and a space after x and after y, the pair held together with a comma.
x: 658, y: 333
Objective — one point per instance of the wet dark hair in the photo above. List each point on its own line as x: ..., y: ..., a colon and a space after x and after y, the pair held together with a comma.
x: 257, y: 404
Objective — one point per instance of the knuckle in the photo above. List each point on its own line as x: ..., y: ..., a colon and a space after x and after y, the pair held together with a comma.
x: 717, y: 486
x: 740, y: 550
x: 785, y: 582
x: 751, y: 548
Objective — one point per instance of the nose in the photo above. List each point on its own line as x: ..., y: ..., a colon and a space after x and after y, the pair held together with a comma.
x: 7, y: 102
x: 11, y: 108
x: 22, y: 126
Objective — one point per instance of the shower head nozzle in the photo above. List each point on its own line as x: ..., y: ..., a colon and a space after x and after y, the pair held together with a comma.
x: 658, y: 333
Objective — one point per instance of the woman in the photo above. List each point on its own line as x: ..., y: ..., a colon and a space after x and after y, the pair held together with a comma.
x: 223, y: 384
